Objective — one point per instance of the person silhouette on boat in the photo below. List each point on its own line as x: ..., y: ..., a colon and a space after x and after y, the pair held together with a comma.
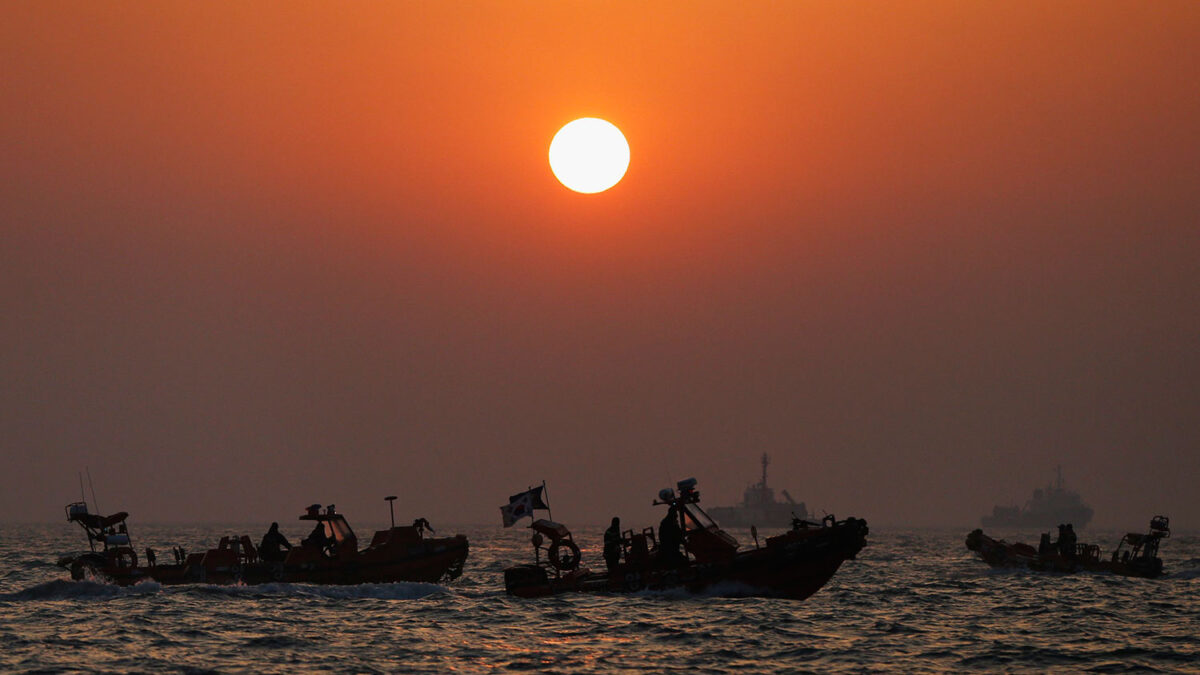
x: 317, y: 538
x: 670, y: 540
x: 273, y: 544
x: 612, y: 544
x: 1066, y: 541
x: 1044, y: 545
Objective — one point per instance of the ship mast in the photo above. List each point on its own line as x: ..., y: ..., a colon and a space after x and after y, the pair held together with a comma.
x: 765, y: 460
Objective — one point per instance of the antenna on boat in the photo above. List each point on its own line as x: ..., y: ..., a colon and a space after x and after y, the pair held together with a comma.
x: 391, y: 508
x: 95, y: 503
x: 82, y: 494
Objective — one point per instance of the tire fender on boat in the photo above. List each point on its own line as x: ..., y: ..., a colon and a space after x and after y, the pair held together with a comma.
x: 87, y: 567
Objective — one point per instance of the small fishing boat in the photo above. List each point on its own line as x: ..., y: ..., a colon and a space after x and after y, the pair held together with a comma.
x: 794, y: 564
x: 329, y: 556
x: 1135, y: 556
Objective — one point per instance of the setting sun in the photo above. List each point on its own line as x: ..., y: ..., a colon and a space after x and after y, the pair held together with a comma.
x: 589, y: 155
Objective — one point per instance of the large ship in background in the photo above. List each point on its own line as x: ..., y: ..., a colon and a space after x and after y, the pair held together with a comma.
x: 1051, y: 506
x: 759, y: 506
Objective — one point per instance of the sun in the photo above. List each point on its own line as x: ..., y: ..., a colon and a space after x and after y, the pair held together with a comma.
x: 589, y: 155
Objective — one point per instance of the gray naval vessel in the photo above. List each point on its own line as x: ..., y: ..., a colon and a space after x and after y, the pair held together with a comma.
x: 1051, y: 506
x: 759, y: 507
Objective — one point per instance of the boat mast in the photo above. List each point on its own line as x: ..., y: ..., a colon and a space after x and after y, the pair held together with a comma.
x: 765, y: 460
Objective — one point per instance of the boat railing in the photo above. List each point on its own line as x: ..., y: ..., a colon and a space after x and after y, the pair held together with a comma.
x: 639, y: 548
x: 1089, y: 552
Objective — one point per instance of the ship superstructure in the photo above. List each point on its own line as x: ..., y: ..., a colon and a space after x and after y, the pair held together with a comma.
x: 759, y: 506
x: 1050, y: 506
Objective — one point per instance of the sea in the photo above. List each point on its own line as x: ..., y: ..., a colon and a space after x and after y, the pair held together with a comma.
x: 913, y: 601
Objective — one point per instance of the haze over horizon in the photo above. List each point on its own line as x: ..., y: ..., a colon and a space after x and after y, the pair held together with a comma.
x: 255, y: 257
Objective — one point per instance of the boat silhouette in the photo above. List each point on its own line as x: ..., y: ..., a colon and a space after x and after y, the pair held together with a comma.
x: 1135, y: 556
x: 794, y: 564
x: 401, y: 553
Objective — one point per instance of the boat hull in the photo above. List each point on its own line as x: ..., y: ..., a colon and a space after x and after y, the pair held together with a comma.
x: 793, y: 565
x: 999, y: 553
x: 432, y: 561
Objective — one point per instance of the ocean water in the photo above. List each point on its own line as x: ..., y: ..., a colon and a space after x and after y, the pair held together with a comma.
x: 913, y: 601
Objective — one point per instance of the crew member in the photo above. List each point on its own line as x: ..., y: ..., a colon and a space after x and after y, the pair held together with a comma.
x: 612, y: 544
x: 317, y: 538
x: 1069, y: 546
x: 670, y: 540
x: 273, y: 544
x: 1044, y: 544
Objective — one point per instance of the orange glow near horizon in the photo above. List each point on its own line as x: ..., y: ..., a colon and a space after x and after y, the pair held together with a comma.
x: 331, y: 225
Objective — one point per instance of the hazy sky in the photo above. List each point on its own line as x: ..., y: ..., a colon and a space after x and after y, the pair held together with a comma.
x: 259, y: 255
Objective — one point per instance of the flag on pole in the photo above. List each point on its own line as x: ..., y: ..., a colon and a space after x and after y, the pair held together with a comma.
x: 522, y: 505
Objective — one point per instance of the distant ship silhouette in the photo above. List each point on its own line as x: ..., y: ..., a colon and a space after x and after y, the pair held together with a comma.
x: 1049, y: 507
x: 759, y: 506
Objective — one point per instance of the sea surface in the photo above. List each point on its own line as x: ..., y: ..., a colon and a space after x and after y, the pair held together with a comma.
x: 913, y: 601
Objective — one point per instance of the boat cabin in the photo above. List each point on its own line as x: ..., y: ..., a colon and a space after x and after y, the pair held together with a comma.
x: 1139, y: 551
x: 339, y: 540
x: 110, y: 532
x: 702, y: 537
x: 1142, y: 549
x: 105, y: 530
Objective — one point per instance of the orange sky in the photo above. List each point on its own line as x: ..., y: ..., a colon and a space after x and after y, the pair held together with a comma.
x: 875, y: 240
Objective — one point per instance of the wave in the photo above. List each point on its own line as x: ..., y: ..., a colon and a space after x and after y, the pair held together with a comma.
x: 62, y: 589
x: 723, y: 589
x: 401, y: 590
x: 1184, y: 574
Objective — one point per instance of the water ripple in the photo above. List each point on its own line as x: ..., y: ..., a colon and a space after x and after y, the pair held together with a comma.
x: 914, y: 601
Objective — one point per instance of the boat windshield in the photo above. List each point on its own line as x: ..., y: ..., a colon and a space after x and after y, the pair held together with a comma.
x: 339, y: 529
x: 697, y: 519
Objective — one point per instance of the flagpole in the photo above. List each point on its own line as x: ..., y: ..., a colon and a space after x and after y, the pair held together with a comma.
x: 547, y: 494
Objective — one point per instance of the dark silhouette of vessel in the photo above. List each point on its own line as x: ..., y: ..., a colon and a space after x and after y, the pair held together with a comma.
x: 398, y: 554
x: 760, y: 508
x: 794, y: 564
x: 1050, y: 506
x: 1135, y: 556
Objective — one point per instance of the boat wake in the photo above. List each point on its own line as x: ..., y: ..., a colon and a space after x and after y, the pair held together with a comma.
x: 402, y: 590
x: 63, y: 589
x: 1188, y: 569
x: 722, y: 589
